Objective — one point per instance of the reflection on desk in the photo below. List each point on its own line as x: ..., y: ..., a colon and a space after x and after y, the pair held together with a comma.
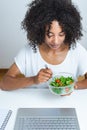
x: 43, y: 98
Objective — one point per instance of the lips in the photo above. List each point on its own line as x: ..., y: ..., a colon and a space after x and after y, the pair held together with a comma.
x: 54, y: 46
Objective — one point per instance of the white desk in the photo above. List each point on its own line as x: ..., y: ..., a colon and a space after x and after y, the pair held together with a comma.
x: 43, y: 98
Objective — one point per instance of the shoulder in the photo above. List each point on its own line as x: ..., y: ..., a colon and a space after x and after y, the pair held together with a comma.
x: 27, y: 52
x: 79, y: 48
x: 78, y: 52
x: 27, y: 49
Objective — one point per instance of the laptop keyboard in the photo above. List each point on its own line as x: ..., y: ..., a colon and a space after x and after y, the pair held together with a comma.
x: 46, y: 123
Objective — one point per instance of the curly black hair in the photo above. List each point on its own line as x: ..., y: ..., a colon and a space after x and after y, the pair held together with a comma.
x: 41, y: 13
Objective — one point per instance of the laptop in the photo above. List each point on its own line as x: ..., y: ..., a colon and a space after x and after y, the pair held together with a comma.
x: 46, y: 119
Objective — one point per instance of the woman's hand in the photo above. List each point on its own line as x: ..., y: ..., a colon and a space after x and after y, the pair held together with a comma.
x: 43, y: 76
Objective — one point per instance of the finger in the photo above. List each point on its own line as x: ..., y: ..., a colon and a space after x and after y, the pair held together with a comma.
x: 44, y: 78
x: 76, y: 87
x: 48, y: 71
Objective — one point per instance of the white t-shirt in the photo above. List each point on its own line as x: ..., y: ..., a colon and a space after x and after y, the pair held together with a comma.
x: 29, y: 63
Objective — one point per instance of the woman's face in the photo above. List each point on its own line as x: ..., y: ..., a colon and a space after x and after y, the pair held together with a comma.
x: 55, y: 37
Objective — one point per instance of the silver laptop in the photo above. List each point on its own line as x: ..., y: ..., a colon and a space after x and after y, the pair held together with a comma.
x: 46, y: 119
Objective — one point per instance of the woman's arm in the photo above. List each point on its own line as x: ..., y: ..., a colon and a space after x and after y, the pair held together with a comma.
x: 11, y: 80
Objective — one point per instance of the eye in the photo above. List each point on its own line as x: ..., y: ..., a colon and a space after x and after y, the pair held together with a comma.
x: 62, y: 34
x: 49, y: 35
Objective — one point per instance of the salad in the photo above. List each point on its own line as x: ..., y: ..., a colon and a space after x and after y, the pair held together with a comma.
x: 62, y: 81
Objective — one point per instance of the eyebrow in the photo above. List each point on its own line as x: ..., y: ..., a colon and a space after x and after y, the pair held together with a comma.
x: 47, y: 32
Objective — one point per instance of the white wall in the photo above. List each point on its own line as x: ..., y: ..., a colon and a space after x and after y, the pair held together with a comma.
x: 12, y: 38
x: 82, y: 6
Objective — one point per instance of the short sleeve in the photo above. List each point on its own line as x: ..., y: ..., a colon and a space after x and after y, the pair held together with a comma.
x: 20, y: 60
x: 82, y: 56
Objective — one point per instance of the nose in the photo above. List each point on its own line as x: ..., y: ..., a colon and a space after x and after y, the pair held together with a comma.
x: 56, y: 39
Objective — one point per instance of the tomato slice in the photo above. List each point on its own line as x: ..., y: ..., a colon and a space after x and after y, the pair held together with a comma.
x: 57, y: 80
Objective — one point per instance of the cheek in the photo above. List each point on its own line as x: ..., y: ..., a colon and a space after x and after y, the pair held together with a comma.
x: 48, y: 41
x: 61, y: 39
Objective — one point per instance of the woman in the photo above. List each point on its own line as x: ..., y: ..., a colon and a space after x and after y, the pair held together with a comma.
x: 53, y: 28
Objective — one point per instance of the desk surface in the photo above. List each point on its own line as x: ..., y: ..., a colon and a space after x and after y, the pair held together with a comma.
x: 43, y: 98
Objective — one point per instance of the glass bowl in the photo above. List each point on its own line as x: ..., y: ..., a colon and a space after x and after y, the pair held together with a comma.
x: 62, y: 84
